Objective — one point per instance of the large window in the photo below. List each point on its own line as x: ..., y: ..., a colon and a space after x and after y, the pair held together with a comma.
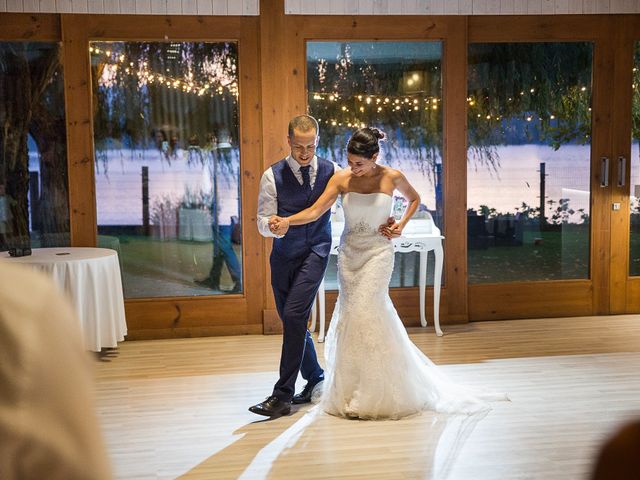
x: 634, y: 252
x: 167, y: 165
x: 396, y: 87
x: 34, y: 205
x: 528, y: 191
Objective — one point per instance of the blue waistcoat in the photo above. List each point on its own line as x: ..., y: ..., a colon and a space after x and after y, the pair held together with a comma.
x: 292, y: 198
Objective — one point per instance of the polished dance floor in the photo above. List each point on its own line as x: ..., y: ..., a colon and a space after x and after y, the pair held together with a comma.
x: 178, y: 408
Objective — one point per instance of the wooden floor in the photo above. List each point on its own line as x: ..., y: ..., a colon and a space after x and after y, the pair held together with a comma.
x: 178, y: 408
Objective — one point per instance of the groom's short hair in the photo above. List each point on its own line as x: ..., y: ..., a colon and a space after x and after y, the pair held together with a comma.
x: 303, y: 123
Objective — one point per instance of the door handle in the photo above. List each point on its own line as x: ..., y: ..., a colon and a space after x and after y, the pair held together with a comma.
x: 604, y: 172
x: 622, y: 170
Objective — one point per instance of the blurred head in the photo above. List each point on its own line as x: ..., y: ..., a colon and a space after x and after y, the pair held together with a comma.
x: 363, y: 149
x: 619, y: 457
x: 303, y: 138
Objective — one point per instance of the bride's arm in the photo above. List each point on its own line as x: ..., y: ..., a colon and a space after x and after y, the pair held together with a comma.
x: 409, y: 193
x: 315, y: 211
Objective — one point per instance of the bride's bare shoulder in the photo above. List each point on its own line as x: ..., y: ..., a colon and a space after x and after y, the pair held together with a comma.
x: 341, y: 178
x: 393, y: 173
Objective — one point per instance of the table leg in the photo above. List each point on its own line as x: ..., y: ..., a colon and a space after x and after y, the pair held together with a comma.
x: 321, y: 311
x: 437, y: 280
x: 423, y: 286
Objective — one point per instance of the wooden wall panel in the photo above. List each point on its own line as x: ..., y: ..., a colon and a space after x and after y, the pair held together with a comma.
x: 282, y: 65
x: 455, y: 172
x: 602, y: 132
x: 537, y: 28
x: 181, y: 316
x: 633, y: 295
x: 530, y: 300
x: 20, y: 26
x: 623, y: 51
x: 80, y: 154
x: 272, y: 90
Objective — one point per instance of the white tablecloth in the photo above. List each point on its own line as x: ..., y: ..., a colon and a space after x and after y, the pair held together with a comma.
x: 91, y: 278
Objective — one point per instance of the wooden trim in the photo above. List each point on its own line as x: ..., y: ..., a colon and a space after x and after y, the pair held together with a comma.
x: 167, y: 28
x: 193, y: 332
x: 538, y: 28
x: 272, y: 325
x: 180, y: 316
x: 602, y: 133
x: 30, y: 27
x: 186, y: 312
x: 455, y: 172
x: 633, y: 295
x: 530, y: 299
x: 621, y: 132
x: 250, y: 154
x: 283, y: 97
x: 453, y: 31
x: 376, y: 27
x: 79, y: 116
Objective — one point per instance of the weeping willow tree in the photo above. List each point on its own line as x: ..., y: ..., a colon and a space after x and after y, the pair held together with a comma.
x: 32, y: 104
x: 517, y: 93
x: 394, y: 86
x: 166, y: 96
x: 527, y: 93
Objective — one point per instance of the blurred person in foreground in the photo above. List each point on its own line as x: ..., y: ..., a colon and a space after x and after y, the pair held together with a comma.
x: 48, y: 426
x: 619, y: 457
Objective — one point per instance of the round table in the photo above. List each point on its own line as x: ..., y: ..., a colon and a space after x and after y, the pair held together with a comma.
x: 91, y: 279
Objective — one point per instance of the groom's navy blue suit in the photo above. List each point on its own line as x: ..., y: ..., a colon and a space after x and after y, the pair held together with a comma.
x: 298, y: 262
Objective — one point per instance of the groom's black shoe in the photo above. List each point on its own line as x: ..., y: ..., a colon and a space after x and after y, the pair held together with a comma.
x: 272, y: 407
x: 305, y: 395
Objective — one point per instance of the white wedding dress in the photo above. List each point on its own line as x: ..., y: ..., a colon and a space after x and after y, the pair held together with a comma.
x: 373, y: 370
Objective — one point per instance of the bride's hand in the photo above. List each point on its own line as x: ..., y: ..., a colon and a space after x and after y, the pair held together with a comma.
x: 278, y: 225
x: 391, y: 229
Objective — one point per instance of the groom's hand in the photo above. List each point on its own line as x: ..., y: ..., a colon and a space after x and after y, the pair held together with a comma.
x: 278, y: 225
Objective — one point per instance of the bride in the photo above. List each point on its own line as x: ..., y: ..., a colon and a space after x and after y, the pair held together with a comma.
x: 373, y: 370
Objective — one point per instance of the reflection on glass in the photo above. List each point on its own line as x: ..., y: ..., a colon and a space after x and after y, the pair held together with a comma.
x: 529, y: 119
x: 167, y: 165
x: 396, y: 87
x: 634, y: 244
x: 34, y: 206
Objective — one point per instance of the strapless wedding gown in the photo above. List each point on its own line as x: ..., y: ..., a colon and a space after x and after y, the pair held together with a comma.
x: 373, y: 370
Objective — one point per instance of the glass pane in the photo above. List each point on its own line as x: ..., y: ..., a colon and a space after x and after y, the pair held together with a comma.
x: 634, y: 252
x: 34, y: 200
x: 396, y: 87
x: 528, y: 193
x: 167, y: 165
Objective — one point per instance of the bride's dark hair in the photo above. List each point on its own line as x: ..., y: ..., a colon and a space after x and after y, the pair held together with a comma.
x: 365, y: 142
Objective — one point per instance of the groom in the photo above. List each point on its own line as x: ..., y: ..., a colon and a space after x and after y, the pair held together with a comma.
x: 298, y: 260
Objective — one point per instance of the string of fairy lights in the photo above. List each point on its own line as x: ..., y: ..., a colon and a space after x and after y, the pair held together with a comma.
x: 115, y: 61
x: 351, y: 106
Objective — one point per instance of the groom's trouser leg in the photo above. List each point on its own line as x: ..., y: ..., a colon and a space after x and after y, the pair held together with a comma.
x: 295, y: 284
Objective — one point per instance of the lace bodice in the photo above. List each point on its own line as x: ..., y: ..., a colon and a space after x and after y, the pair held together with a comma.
x: 365, y: 212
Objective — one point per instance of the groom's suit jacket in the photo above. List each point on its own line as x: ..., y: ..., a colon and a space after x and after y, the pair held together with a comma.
x: 292, y: 198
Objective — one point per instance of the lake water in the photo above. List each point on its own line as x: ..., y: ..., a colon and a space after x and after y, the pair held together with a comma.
x: 515, y: 179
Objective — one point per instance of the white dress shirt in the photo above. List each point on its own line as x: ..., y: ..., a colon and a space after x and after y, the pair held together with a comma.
x: 268, y: 196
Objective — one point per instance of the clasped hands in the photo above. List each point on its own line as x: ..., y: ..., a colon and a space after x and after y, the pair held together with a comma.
x: 280, y: 225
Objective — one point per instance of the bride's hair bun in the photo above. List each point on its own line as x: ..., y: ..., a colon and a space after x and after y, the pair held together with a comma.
x: 365, y: 142
x: 379, y: 134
